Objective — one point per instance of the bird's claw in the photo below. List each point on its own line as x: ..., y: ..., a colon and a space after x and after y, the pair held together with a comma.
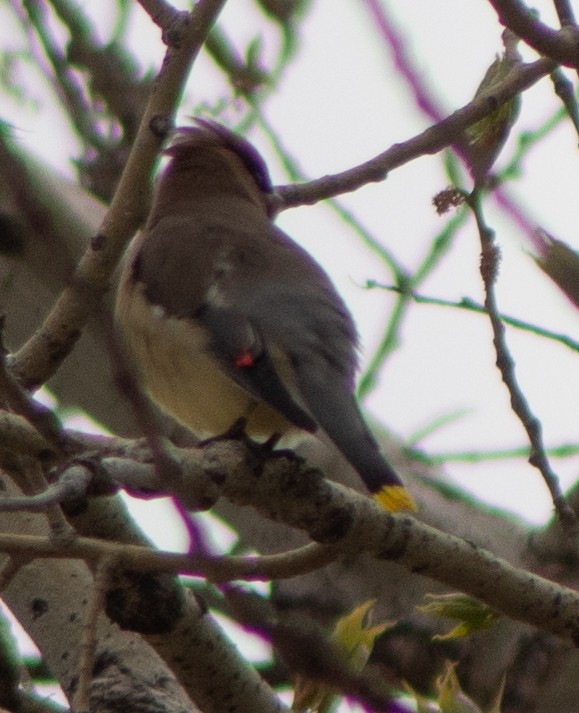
x: 236, y: 432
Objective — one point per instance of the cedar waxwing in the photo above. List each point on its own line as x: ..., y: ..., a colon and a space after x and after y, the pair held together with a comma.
x: 227, y: 317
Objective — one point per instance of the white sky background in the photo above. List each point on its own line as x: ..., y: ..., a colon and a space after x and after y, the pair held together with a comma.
x: 340, y: 103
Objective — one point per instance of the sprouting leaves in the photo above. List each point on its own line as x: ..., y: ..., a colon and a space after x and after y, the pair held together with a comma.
x: 451, y: 698
x: 472, y: 614
x: 486, y: 138
x: 354, y: 637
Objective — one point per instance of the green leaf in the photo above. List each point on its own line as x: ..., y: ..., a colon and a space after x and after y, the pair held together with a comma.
x: 486, y: 138
x: 354, y: 636
x: 472, y: 614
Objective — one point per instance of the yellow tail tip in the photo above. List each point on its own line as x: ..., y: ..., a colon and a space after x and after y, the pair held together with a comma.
x: 394, y: 498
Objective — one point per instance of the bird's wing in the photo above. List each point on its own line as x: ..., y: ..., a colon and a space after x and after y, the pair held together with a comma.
x: 216, y: 300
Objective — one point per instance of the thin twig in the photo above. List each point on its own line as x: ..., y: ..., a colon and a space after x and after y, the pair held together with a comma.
x: 64, y: 81
x: 218, y: 568
x: 566, y: 17
x: 421, y: 90
x: 490, y: 257
x: 469, y: 305
x: 71, y: 487
x: 437, y: 250
x: 20, y: 401
x: 60, y: 528
x: 563, y: 451
x: 525, y: 141
x: 565, y: 90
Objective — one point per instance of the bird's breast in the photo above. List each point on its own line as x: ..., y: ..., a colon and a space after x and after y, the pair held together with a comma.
x: 182, y: 376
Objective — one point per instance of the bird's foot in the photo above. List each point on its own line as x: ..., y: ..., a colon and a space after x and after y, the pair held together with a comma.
x: 262, y: 450
x: 236, y: 432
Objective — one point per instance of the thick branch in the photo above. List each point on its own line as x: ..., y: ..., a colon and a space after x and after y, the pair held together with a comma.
x: 209, y: 668
x: 288, y: 491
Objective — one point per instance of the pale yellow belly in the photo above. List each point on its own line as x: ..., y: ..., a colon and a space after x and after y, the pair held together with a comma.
x: 183, y: 378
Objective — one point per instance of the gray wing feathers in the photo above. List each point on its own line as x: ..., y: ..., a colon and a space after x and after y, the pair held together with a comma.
x: 252, y: 289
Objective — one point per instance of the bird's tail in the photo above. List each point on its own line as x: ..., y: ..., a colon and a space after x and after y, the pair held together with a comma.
x: 390, y: 493
x: 338, y: 414
x: 382, y: 481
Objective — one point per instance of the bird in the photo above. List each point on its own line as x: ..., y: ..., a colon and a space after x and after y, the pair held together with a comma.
x: 227, y: 318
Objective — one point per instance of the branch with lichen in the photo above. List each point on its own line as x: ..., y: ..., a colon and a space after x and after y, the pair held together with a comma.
x: 342, y: 522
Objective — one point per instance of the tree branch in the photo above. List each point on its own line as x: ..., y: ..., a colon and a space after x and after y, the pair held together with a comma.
x: 560, y: 45
x: 216, y: 569
x: 489, y: 266
x: 431, y: 141
x: 161, y: 12
x: 469, y: 305
x: 41, y: 356
x: 208, y: 667
x: 89, y: 643
x: 345, y: 522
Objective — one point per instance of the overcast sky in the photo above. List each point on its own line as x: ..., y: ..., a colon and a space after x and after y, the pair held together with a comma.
x: 341, y: 102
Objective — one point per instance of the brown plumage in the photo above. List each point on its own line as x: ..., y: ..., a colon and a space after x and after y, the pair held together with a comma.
x: 227, y: 317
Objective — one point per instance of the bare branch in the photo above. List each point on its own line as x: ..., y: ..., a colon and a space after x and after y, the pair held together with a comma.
x: 560, y: 45
x: 71, y: 486
x: 210, y: 670
x: 424, y: 97
x: 431, y: 141
x: 161, y: 12
x: 81, y: 702
x: 216, y: 569
x: 565, y: 90
x: 490, y: 257
x: 469, y: 305
x: 347, y: 523
x: 40, y: 357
